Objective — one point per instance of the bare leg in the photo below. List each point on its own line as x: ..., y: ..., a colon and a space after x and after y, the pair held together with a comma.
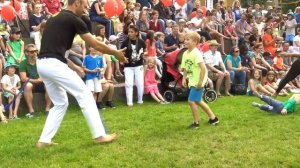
x: 105, y: 88
x: 110, y: 92
x: 263, y: 90
x: 154, y: 97
x: 17, y: 103
x: 206, y: 109
x: 194, y: 108
x: 227, y: 85
x: 29, y: 97
x: 219, y: 83
x: 11, y: 107
x: 160, y: 96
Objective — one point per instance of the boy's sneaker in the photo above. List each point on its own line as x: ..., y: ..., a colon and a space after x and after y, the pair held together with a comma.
x: 30, y: 115
x: 100, y: 106
x: 257, y: 94
x: 194, y: 126
x: 110, y: 104
x: 256, y: 104
x: 16, y: 118
x: 213, y: 121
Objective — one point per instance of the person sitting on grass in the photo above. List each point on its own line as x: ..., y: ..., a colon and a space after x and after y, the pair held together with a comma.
x: 11, y: 84
x: 278, y: 107
x: 150, y: 83
x: 255, y: 84
x: 195, y: 76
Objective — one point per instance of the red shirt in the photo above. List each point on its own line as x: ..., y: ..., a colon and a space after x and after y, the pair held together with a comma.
x: 155, y: 28
x: 53, y: 7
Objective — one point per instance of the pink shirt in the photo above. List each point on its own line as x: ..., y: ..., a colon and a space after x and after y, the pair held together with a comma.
x: 151, y: 49
x: 229, y: 29
x: 53, y: 7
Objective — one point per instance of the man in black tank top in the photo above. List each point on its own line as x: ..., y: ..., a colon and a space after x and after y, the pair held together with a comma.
x: 58, y: 73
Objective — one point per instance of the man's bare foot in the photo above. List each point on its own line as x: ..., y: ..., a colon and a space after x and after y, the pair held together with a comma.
x: 43, y: 144
x: 106, y: 138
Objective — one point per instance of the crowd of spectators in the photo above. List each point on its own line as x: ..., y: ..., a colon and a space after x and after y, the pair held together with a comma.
x: 150, y: 30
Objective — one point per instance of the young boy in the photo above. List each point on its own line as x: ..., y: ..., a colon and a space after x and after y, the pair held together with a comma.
x: 159, y: 44
x: 196, y: 73
x: 276, y: 106
x: 11, y: 84
x: 92, y: 65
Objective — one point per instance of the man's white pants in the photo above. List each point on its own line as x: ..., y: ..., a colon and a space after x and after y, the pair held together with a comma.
x: 60, y: 79
x: 134, y: 74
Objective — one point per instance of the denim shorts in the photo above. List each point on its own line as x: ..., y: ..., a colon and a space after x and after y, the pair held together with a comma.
x: 195, y: 95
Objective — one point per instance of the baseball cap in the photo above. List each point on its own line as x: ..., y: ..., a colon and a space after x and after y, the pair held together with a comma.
x: 7, y: 65
x: 15, y: 30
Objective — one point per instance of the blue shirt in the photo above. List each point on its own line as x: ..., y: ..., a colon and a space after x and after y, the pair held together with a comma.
x: 297, y: 17
x: 237, y: 14
x: 159, y: 46
x: 171, y: 40
x: 91, y: 63
x: 235, y: 63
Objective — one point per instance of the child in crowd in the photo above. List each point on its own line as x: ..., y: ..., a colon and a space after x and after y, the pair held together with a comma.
x: 195, y: 77
x: 290, y: 25
x: 137, y: 11
x: 276, y: 106
x: 150, y: 83
x: 270, y: 83
x: 159, y: 44
x: 289, y: 86
x: 113, y: 42
x: 255, y: 84
x: 92, y: 65
x: 169, y: 24
x: 278, y: 63
x: 15, y: 47
x: 151, y: 52
x: 230, y: 32
x: 11, y: 84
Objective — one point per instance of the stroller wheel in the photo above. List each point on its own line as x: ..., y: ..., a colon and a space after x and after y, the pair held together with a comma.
x: 169, y: 95
x: 210, y: 96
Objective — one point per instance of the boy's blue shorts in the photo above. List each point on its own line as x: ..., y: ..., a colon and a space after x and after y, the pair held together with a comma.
x: 195, y: 95
x: 289, y: 37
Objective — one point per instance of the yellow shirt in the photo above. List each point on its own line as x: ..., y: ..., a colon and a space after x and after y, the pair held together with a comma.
x: 190, y: 62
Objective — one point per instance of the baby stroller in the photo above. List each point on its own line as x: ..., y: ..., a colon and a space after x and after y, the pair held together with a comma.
x: 171, y: 80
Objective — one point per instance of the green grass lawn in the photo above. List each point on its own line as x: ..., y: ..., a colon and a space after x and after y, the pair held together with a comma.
x: 153, y: 135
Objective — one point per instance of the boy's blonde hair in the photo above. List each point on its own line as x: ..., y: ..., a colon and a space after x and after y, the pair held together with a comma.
x: 194, y: 36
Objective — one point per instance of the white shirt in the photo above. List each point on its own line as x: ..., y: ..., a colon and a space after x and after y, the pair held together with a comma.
x: 196, y: 22
x: 11, y: 81
x: 295, y: 47
x: 292, y: 23
x: 213, y: 59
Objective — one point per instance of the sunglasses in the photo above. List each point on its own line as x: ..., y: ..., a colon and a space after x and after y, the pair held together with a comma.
x: 32, y: 51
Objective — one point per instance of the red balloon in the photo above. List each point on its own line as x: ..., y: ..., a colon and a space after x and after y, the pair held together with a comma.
x: 16, y: 4
x: 193, y: 14
x: 111, y: 8
x: 8, y: 13
x: 121, y: 7
x: 167, y: 3
x: 181, y: 2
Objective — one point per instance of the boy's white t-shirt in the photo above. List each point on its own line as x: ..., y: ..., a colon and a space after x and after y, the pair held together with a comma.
x: 10, y: 81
